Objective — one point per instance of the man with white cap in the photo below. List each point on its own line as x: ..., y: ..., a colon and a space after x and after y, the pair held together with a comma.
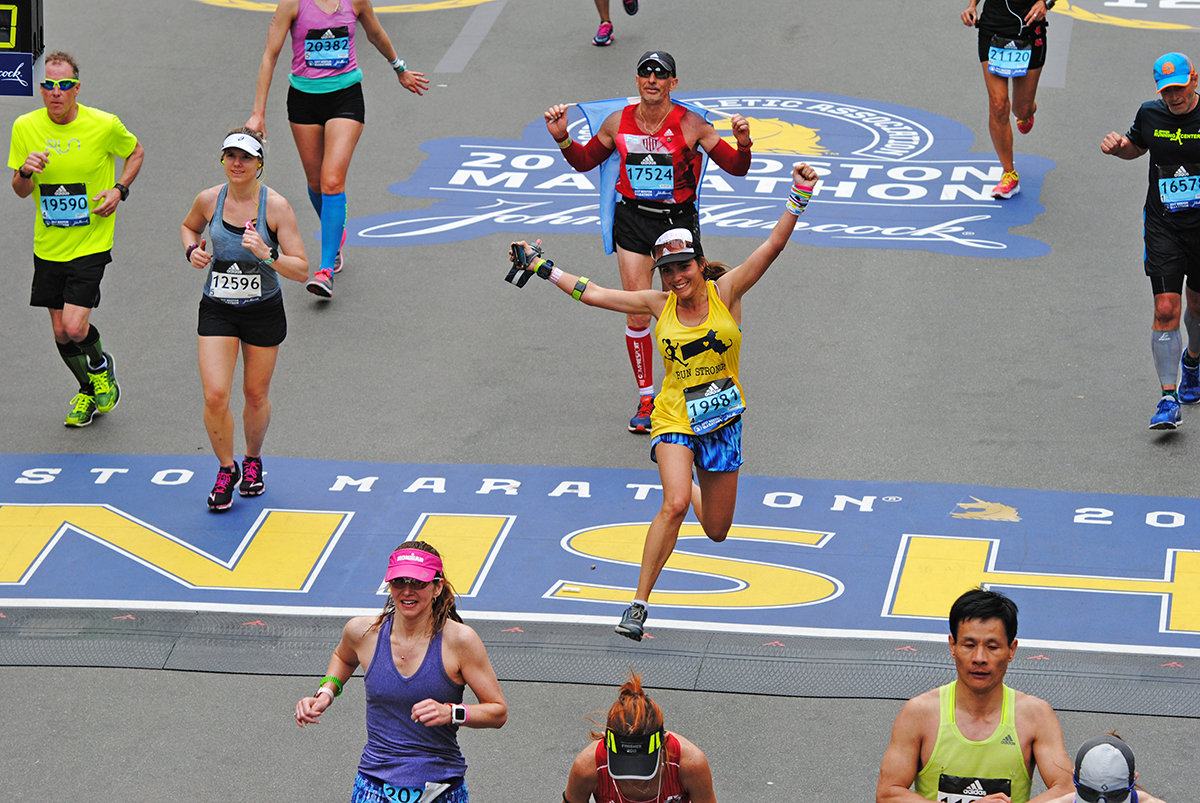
x: 1104, y: 773
x: 1169, y: 129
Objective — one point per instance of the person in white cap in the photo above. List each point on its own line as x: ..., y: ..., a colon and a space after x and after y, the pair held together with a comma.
x: 635, y: 758
x: 417, y: 658
x: 1171, y: 216
x: 1104, y: 773
x: 697, y: 421
x: 253, y: 239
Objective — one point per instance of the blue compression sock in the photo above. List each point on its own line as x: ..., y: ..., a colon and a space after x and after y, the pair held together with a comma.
x: 333, y: 224
x: 315, y: 198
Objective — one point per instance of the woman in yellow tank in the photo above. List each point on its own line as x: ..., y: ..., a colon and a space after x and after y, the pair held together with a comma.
x: 697, y: 416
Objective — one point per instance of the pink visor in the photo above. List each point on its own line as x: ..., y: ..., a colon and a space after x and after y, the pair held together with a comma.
x: 413, y: 563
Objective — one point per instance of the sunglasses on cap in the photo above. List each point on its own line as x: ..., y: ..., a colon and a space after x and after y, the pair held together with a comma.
x: 65, y: 84
x: 658, y: 71
x: 670, y: 247
x: 1090, y: 795
x: 409, y: 582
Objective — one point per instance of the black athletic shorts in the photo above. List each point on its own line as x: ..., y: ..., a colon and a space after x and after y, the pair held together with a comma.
x: 318, y: 108
x: 638, y: 224
x: 1170, y: 255
x: 263, y: 324
x: 1034, y: 33
x: 75, y: 282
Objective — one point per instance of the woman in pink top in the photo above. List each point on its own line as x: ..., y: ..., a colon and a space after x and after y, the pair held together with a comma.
x: 325, y: 104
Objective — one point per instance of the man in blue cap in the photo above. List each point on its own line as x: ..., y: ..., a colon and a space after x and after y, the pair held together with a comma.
x: 1169, y: 128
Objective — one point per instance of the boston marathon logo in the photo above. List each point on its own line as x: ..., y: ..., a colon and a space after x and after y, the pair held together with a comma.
x: 891, y: 177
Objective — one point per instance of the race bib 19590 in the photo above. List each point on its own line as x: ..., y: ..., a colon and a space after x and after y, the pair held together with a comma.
x: 65, y: 205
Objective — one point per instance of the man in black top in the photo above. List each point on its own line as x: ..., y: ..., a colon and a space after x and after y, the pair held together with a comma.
x: 1012, y: 45
x: 1169, y: 128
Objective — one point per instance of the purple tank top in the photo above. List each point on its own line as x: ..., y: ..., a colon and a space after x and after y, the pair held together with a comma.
x: 323, y: 44
x: 399, y: 751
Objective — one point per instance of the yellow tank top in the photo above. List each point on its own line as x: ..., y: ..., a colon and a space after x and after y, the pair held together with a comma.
x: 960, y: 770
x: 700, y: 391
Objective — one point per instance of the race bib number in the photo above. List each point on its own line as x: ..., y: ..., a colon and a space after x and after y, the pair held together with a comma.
x: 650, y: 168
x: 402, y: 794
x: 1009, y: 58
x: 327, y: 48
x: 712, y: 404
x: 65, y: 205
x: 953, y: 789
x: 230, y: 281
x: 1179, y: 186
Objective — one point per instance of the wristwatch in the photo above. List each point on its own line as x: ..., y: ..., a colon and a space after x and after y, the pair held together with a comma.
x: 273, y: 256
x: 458, y: 714
x: 22, y: 174
x: 123, y: 190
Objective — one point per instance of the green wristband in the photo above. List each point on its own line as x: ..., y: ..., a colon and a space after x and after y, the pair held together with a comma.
x: 580, y: 286
x: 336, y: 682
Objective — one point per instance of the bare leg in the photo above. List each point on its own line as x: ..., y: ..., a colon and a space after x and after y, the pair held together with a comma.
x: 675, y: 470
x: 218, y: 357
x: 258, y: 364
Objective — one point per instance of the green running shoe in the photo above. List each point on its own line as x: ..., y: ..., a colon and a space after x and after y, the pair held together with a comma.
x: 83, y: 410
x: 104, y: 386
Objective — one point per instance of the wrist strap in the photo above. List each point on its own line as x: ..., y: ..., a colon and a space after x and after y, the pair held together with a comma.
x: 188, y: 253
x: 398, y: 65
x: 335, y: 681
x: 798, y: 199
x: 555, y: 275
x: 324, y: 690
x: 563, y: 144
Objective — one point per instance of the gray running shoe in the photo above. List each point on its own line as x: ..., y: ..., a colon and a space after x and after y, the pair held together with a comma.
x: 633, y: 622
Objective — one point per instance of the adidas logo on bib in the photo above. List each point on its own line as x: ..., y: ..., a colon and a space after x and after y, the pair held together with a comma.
x: 61, y: 191
x: 975, y: 789
x: 649, y: 160
x: 713, y: 389
x: 1181, y: 172
x: 234, y: 268
x: 327, y: 35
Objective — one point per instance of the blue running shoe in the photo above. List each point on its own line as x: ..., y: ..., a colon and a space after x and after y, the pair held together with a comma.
x: 1168, y: 416
x: 1189, y: 385
x: 633, y: 622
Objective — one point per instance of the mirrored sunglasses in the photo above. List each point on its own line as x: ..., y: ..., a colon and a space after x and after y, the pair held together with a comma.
x: 65, y: 84
x: 411, y: 582
x: 658, y: 71
x: 670, y: 247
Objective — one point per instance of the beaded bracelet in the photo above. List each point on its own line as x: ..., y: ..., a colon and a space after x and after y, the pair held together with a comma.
x: 798, y: 199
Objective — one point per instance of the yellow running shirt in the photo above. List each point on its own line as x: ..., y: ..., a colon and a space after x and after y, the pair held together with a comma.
x: 700, y: 392
x: 81, y: 164
x: 960, y: 771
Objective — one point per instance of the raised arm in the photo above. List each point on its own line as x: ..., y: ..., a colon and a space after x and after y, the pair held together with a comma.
x: 281, y: 23
x: 414, y: 82
x: 735, y: 283
x: 733, y: 162
x: 630, y: 302
x: 582, y: 157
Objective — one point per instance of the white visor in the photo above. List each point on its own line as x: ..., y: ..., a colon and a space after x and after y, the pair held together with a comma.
x: 243, y: 142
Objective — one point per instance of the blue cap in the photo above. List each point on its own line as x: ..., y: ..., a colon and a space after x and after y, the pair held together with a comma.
x: 1172, y: 69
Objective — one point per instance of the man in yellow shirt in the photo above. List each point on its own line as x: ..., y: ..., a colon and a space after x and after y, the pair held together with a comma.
x: 65, y: 157
x: 976, y: 739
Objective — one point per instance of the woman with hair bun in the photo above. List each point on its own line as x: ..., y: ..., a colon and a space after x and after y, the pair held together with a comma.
x: 417, y: 656
x: 637, y: 759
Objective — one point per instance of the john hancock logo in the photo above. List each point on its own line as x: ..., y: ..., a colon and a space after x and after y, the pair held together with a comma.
x: 891, y: 177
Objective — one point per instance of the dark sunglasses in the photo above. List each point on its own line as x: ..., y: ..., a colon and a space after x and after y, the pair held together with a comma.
x: 65, y: 84
x: 411, y: 582
x: 1090, y: 795
x: 659, y: 72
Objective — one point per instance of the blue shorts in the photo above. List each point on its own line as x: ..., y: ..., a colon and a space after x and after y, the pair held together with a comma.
x: 719, y: 450
x: 368, y: 790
